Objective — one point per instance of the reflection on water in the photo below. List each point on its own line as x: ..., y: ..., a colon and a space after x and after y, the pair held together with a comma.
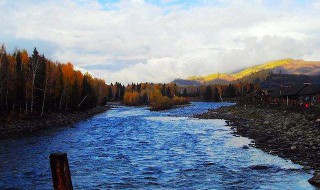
x: 131, y: 148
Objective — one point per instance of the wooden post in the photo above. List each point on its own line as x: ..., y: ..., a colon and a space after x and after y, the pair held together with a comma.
x: 61, y: 177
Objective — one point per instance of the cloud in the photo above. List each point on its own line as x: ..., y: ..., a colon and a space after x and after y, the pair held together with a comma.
x: 136, y: 40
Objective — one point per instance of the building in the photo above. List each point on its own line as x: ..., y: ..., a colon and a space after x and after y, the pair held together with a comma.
x: 290, y: 95
x: 310, y: 94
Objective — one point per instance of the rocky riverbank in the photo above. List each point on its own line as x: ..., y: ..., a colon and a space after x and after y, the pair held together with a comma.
x: 290, y: 134
x: 23, y: 127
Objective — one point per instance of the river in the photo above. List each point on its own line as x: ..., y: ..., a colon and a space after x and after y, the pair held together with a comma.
x: 134, y: 148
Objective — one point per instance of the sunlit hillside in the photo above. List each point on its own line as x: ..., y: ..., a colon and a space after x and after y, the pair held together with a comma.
x: 212, y: 77
x: 266, y: 66
x: 285, y: 66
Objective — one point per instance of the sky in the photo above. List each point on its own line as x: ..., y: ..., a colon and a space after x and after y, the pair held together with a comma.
x: 160, y: 40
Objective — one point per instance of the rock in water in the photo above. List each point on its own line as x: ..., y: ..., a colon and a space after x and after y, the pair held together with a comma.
x: 259, y: 167
x: 245, y: 147
x: 315, y: 180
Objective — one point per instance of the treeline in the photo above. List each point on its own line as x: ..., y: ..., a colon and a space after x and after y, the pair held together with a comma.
x: 115, y: 92
x: 33, y: 84
x: 157, y: 96
x: 218, y: 93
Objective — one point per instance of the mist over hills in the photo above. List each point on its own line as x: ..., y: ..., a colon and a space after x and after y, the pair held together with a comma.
x: 258, y: 73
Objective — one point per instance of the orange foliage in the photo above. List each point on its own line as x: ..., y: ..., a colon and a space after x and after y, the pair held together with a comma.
x: 131, y: 98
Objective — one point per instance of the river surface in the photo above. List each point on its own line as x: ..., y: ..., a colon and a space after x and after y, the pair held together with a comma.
x: 134, y: 148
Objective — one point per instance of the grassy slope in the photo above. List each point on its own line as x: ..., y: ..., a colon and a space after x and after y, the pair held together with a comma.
x: 266, y: 66
x: 212, y: 77
x: 244, y: 73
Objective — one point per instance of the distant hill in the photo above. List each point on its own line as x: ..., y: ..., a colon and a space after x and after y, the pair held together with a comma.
x: 257, y: 73
x: 183, y: 82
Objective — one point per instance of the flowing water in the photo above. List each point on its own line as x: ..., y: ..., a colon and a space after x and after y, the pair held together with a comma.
x: 134, y: 148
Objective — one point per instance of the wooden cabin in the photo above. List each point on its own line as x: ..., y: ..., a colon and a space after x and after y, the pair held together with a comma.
x: 310, y: 94
x: 290, y: 95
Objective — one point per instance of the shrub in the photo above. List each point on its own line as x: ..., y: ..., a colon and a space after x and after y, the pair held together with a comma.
x: 161, y: 103
x: 180, y: 100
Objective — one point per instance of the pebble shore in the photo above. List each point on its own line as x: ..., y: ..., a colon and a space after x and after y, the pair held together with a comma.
x: 293, y: 135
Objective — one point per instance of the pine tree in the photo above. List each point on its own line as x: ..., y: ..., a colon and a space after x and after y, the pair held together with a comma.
x: 4, y: 80
x: 20, y: 84
x: 208, y: 96
x: 185, y: 92
x: 40, y: 81
x: 216, y: 95
x: 34, y: 66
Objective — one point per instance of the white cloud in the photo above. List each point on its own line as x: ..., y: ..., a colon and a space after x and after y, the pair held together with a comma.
x: 167, y: 42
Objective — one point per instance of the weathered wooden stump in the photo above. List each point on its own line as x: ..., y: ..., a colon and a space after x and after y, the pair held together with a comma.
x: 61, y: 177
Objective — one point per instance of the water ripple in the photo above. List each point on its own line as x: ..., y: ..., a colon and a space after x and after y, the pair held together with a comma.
x: 133, y: 148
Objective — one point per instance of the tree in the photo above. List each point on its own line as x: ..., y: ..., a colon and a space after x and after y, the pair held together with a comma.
x: 208, y: 96
x: 20, y: 84
x: 34, y: 67
x: 185, y: 92
x: 40, y: 84
x: 4, y: 80
x: 216, y: 95
x: 231, y: 91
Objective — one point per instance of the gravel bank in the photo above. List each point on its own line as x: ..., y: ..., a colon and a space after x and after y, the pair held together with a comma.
x: 293, y: 135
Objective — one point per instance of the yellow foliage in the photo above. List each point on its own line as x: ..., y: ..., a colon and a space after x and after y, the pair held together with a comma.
x: 212, y: 77
x: 131, y: 98
x: 265, y: 66
x: 154, y: 95
x: 179, y: 100
x: 243, y: 73
x: 161, y: 103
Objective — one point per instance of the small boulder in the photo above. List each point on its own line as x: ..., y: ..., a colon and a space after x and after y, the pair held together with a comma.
x: 293, y: 147
x: 315, y: 180
x: 259, y: 167
x: 245, y: 147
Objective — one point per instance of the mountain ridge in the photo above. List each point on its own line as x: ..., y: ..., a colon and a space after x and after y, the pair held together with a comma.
x: 257, y: 72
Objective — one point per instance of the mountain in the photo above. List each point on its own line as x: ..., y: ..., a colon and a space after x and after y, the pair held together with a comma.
x: 257, y: 73
x: 183, y: 82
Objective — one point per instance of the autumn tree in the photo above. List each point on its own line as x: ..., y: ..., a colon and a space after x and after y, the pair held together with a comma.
x: 35, y: 85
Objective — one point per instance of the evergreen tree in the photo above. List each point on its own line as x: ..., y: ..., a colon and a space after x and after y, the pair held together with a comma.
x: 40, y: 82
x: 4, y: 80
x: 216, y: 95
x: 20, y: 84
x: 86, y: 93
x: 75, y: 94
x: 185, y: 92
x: 109, y: 93
x: 208, y: 96
x: 231, y: 91
x: 34, y: 66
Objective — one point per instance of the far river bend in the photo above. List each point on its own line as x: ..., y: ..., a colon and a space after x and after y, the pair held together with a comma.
x: 134, y: 148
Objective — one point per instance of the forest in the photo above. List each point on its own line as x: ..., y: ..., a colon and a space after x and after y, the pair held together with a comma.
x: 34, y: 85
x: 217, y: 92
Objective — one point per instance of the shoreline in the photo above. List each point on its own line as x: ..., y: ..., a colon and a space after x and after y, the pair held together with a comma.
x: 31, y: 126
x: 279, y: 131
